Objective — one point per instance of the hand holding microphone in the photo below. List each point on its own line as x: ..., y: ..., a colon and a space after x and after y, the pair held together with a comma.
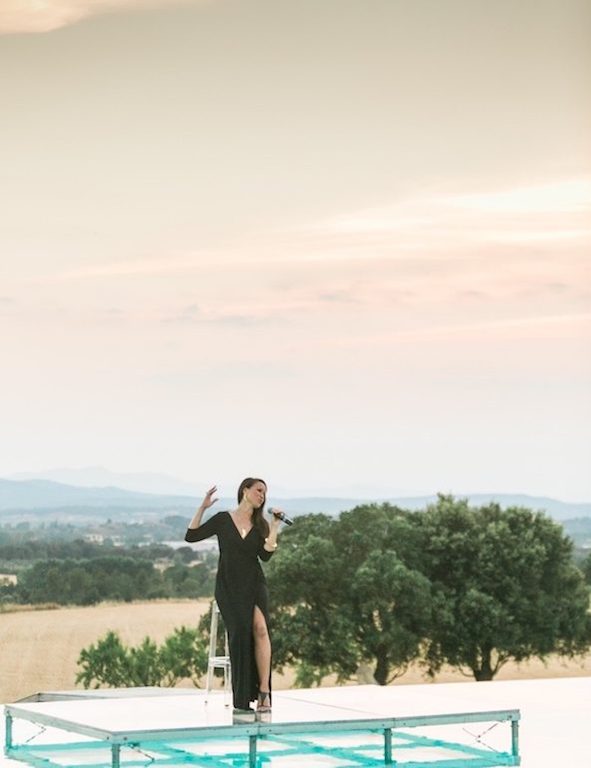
x: 279, y: 515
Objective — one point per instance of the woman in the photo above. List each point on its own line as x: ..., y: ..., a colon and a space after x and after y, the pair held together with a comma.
x: 244, y: 537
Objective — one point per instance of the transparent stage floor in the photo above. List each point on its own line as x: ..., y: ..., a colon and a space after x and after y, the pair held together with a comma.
x: 355, y: 726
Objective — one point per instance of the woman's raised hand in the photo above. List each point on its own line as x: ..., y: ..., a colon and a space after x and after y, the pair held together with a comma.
x: 208, y: 500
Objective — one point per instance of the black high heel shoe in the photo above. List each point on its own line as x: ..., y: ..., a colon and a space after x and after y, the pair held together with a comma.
x: 264, y: 703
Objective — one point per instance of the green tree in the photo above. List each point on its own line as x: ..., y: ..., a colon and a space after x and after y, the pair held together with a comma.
x: 505, y: 587
x: 185, y: 581
x: 183, y: 655
x: 85, y: 582
x: 347, y: 592
x: 105, y: 663
x: 145, y: 664
x: 586, y: 568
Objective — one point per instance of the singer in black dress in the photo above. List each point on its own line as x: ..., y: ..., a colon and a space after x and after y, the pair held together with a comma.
x: 245, y: 539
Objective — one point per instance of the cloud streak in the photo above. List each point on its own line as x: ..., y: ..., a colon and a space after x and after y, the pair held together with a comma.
x: 538, y: 214
x: 434, y: 232
x: 512, y: 325
x: 569, y: 196
x: 137, y: 268
x: 34, y: 17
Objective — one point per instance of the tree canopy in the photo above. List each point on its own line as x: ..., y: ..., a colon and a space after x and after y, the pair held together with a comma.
x: 470, y: 587
x: 504, y: 587
x: 346, y: 593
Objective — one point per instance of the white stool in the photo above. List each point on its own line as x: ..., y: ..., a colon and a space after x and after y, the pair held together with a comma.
x: 218, y: 662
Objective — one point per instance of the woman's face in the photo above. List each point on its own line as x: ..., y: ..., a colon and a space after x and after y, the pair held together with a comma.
x: 256, y: 494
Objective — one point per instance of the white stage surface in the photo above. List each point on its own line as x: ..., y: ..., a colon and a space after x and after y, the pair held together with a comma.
x: 553, y: 734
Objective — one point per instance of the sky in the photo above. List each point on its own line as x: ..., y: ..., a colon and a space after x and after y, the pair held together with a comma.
x: 343, y: 245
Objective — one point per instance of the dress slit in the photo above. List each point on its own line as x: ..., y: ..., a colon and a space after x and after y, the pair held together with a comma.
x: 266, y: 621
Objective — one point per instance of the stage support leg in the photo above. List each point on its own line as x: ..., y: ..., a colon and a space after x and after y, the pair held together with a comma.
x: 115, y: 754
x: 388, y: 746
x: 515, y: 739
x: 252, y: 751
x: 8, y: 731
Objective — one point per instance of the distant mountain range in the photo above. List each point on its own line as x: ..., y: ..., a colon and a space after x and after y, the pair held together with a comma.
x: 19, y: 498
x: 100, y: 477
x: 164, y: 484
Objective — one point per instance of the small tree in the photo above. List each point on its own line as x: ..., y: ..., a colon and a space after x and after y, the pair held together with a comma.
x: 112, y: 664
x: 184, y: 654
x: 106, y: 663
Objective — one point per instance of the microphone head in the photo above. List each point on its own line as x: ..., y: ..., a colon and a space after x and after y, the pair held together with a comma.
x: 280, y: 515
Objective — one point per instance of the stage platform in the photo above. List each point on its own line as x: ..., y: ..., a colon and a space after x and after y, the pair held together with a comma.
x: 358, y: 726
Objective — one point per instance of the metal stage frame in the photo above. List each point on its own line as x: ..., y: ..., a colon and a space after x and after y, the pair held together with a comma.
x: 313, y: 731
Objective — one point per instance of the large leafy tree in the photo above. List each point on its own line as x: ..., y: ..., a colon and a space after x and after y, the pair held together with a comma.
x: 348, y: 592
x: 505, y: 587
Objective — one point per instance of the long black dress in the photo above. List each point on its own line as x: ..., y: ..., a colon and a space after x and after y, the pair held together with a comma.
x: 240, y: 585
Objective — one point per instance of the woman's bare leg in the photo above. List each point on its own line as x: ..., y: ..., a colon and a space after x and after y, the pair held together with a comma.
x: 262, y: 649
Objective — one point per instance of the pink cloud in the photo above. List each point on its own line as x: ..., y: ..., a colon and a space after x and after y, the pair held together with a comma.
x: 32, y: 16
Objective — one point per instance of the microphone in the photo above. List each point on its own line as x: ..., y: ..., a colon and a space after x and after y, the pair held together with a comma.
x: 281, y: 515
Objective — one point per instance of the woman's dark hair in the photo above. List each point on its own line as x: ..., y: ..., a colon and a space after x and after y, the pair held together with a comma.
x: 257, y: 515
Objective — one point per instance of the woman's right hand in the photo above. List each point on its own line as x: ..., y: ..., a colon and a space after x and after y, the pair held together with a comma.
x: 208, y: 501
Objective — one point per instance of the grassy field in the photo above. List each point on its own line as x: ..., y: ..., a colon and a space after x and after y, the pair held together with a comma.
x: 39, y: 648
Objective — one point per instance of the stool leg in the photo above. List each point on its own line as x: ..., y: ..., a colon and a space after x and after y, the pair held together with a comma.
x: 227, y: 674
x: 215, y: 661
x: 213, y: 641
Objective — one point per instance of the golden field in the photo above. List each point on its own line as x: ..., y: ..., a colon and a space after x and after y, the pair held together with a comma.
x: 39, y: 648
